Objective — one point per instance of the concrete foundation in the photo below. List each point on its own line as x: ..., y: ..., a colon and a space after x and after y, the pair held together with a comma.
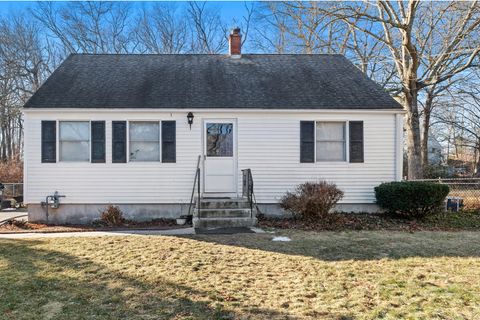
x: 274, y: 210
x: 87, y: 213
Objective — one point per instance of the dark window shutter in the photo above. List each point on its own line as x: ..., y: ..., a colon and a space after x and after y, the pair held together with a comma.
x: 356, y: 141
x: 307, y: 141
x: 119, y: 141
x: 49, y: 141
x: 169, y: 153
x: 98, y: 141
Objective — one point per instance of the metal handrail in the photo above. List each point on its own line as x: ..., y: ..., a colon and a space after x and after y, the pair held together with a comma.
x: 196, y: 183
x: 248, y: 188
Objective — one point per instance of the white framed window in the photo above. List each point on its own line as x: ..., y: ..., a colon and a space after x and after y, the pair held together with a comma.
x: 74, y: 141
x: 144, y: 141
x: 331, y: 142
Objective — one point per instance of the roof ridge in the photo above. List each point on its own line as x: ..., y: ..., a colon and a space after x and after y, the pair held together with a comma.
x: 203, y: 54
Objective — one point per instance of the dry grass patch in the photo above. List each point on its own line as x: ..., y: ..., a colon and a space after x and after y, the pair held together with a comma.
x: 354, y: 275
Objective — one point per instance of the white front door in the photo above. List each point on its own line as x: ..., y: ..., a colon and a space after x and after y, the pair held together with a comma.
x: 219, y: 156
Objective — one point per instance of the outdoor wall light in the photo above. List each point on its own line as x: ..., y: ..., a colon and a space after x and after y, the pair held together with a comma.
x: 190, y: 119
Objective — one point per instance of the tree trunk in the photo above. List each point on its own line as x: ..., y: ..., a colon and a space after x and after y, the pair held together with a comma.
x: 8, y: 139
x: 427, y: 112
x: 476, y: 172
x: 3, y: 150
x: 413, y: 135
x: 425, y: 134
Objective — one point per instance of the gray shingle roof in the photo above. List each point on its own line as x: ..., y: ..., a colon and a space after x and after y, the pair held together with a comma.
x: 210, y: 81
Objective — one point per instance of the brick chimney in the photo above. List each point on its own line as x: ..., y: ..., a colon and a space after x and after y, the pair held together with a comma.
x: 235, y: 43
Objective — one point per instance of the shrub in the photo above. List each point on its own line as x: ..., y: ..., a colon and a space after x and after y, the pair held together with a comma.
x: 11, y: 171
x: 312, y: 201
x: 411, y: 198
x: 112, y: 216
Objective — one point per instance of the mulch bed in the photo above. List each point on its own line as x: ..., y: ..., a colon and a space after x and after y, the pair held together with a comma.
x: 364, y: 221
x: 17, y: 226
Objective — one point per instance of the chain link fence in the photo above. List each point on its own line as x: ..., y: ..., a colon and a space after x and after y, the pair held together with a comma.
x: 13, y: 191
x: 467, y: 189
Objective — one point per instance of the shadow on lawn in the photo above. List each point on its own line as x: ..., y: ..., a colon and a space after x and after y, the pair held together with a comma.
x: 43, y: 284
x: 358, y: 245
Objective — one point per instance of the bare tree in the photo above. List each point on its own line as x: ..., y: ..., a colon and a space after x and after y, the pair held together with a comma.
x: 24, y: 66
x: 270, y: 30
x: 208, y: 31
x: 461, y: 110
x: 303, y: 27
x: 89, y: 27
x: 397, y: 24
x: 162, y: 28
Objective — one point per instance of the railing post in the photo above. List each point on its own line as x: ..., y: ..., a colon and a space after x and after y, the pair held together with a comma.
x: 196, y: 181
x: 198, y: 190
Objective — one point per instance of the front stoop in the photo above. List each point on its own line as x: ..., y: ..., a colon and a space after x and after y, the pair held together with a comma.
x: 223, y: 213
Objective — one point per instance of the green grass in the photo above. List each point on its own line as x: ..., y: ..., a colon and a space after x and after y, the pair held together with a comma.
x: 344, y: 275
x: 463, y: 220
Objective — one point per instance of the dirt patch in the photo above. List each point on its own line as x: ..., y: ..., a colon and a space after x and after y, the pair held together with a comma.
x: 52, y: 309
x: 19, y: 226
x: 445, y: 221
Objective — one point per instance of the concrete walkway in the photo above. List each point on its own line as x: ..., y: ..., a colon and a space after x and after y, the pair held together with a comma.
x: 6, y: 214
x: 32, y: 235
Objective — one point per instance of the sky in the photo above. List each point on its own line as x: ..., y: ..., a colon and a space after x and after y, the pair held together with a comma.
x: 228, y: 9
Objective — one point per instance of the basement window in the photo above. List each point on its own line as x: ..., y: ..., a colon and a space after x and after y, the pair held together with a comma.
x: 331, y: 141
x: 144, y: 141
x: 74, y: 138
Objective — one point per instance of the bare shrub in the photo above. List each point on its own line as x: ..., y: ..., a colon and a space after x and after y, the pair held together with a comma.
x: 11, y: 171
x: 112, y: 216
x: 312, y: 201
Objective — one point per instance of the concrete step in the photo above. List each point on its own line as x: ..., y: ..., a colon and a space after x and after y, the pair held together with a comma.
x: 212, y: 223
x: 222, y: 213
x: 219, y: 203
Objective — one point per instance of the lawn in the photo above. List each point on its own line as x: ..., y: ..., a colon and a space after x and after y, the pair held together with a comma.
x: 337, y: 275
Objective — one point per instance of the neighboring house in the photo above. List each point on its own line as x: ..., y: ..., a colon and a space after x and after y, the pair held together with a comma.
x: 113, y: 129
x: 435, y: 155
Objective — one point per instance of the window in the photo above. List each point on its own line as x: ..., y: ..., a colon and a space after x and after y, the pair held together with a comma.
x: 74, y: 138
x: 330, y: 141
x: 144, y: 141
x: 219, y: 139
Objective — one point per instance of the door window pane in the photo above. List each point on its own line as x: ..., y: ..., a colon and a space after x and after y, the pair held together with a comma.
x: 331, y: 141
x: 144, y: 141
x: 220, y: 139
x: 74, y: 139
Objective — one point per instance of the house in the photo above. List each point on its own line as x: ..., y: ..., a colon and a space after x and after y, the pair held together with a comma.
x: 435, y: 151
x: 129, y: 129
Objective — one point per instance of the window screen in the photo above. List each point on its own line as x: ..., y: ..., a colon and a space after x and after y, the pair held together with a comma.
x: 74, y: 139
x: 331, y: 141
x: 144, y: 141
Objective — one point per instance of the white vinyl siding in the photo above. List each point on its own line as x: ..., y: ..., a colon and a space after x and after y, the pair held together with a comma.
x: 267, y: 142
